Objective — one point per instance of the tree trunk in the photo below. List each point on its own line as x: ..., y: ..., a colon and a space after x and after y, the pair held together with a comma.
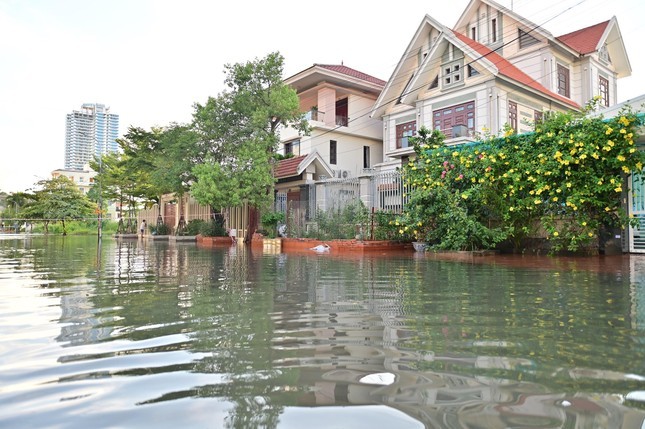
x: 253, y: 224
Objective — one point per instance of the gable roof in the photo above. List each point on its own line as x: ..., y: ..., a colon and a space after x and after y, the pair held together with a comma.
x: 472, y: 8
x: 288, y: 167
x: 292, y: 167
x: 398, y: 82
x: 591, y: 39
x: 585, y: 40
x: 352, y: 72
x: 508, y: 70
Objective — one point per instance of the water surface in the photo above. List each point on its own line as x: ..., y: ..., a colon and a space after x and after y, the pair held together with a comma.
x: 152, y: 334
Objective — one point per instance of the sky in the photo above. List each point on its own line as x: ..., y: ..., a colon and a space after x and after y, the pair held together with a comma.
x: 150, y: 61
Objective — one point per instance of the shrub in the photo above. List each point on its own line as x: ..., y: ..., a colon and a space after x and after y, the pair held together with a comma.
x: 213, y: 229
x: 474, y: 196
x: 270, y: 222
x: 194, y: 226
x: 161, y: 229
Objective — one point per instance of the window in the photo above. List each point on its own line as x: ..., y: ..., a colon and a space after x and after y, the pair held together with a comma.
x: 460, y: 116
x: 512, y: 115
x: 563, y: 80
x: 292, y: 148
x: 603, y: 54
x: 435, y: 82
x: 452, y: 73
x: 332, y: 152
x: 472, y: 71
x: 526, y: 39
x: 473, y: 33
x: 342, y: 118
x: 603, y: 90
x: 403, y: 132
x: 537, y: 117
x: 366, y: 157
x: 493, y: 30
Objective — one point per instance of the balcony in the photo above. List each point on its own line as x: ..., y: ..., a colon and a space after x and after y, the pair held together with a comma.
x: 315, y: 115
x: 342, y: 121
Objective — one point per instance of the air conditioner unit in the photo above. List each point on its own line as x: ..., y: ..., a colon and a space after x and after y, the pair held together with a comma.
x: 341, y: 174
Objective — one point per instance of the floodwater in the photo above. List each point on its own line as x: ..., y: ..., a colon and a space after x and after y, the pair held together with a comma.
x: 138, y: 333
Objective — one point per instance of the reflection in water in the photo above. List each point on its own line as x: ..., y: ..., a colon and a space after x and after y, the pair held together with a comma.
x: 140, y: 333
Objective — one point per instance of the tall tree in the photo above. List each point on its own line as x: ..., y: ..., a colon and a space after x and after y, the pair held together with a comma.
x: 58, y: 200
x: 240, y: 132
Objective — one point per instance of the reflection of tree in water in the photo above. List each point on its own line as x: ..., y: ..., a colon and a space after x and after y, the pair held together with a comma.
x: 467, y: 346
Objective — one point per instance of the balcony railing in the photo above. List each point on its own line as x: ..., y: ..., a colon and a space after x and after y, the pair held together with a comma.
x: 315, y: 115
x: 342, y: 121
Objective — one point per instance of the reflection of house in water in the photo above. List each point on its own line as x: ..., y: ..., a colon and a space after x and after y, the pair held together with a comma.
x: 349, y: 348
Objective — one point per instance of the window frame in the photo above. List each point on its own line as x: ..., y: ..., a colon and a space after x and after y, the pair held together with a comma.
x: 563, y: 76
x: 452, y: 73
x: 512, y: 115
x: 603, y: 90
x: 366, y: 157
x: 333, y: 152
x: 405, y: 130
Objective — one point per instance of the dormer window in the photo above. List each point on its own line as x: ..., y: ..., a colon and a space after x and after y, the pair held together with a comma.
x: 603, y: 54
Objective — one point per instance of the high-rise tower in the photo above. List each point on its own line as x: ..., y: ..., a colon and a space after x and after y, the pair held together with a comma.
x: 91, y: 131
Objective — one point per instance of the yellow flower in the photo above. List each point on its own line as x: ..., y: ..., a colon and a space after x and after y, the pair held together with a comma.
x: 618, y: 189
x: 590, y: 234
x: 555, y: 198
x: 620, y: 158
x: 536, y: 202
x: 400, y: 231
x: 584, y: 223
x: 464, y: 196
x: 607, y: 209
x: 625, y: 169
x: 511, y: 209
x: 609, y: 130
x: 555, y: 233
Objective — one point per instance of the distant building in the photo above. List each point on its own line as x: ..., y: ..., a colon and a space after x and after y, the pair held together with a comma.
x: 91, y: 131
x: 83, y: 178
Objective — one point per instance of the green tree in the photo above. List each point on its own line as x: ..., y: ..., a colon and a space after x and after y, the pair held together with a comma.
x: 58, y: 199
x: 239, y: 132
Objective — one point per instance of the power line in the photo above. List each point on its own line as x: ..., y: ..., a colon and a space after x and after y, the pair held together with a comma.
x: 367, y: 112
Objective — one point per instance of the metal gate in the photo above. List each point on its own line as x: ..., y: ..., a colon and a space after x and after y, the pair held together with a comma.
x: 637, y: 210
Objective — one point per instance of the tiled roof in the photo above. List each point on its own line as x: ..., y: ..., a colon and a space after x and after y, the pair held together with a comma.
x: 288, y: 167
x: 353, y: 73
x: 509, y: 70
x: 586, y: 39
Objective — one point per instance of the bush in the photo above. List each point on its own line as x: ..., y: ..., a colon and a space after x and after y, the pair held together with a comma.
x: 270, y: 222
x: 346, y: 223
x: 161, y: 229
x: 194, y: 226
x: 213, y: 229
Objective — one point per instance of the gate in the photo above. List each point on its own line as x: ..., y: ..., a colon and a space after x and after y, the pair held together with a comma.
x: 637, y: 210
